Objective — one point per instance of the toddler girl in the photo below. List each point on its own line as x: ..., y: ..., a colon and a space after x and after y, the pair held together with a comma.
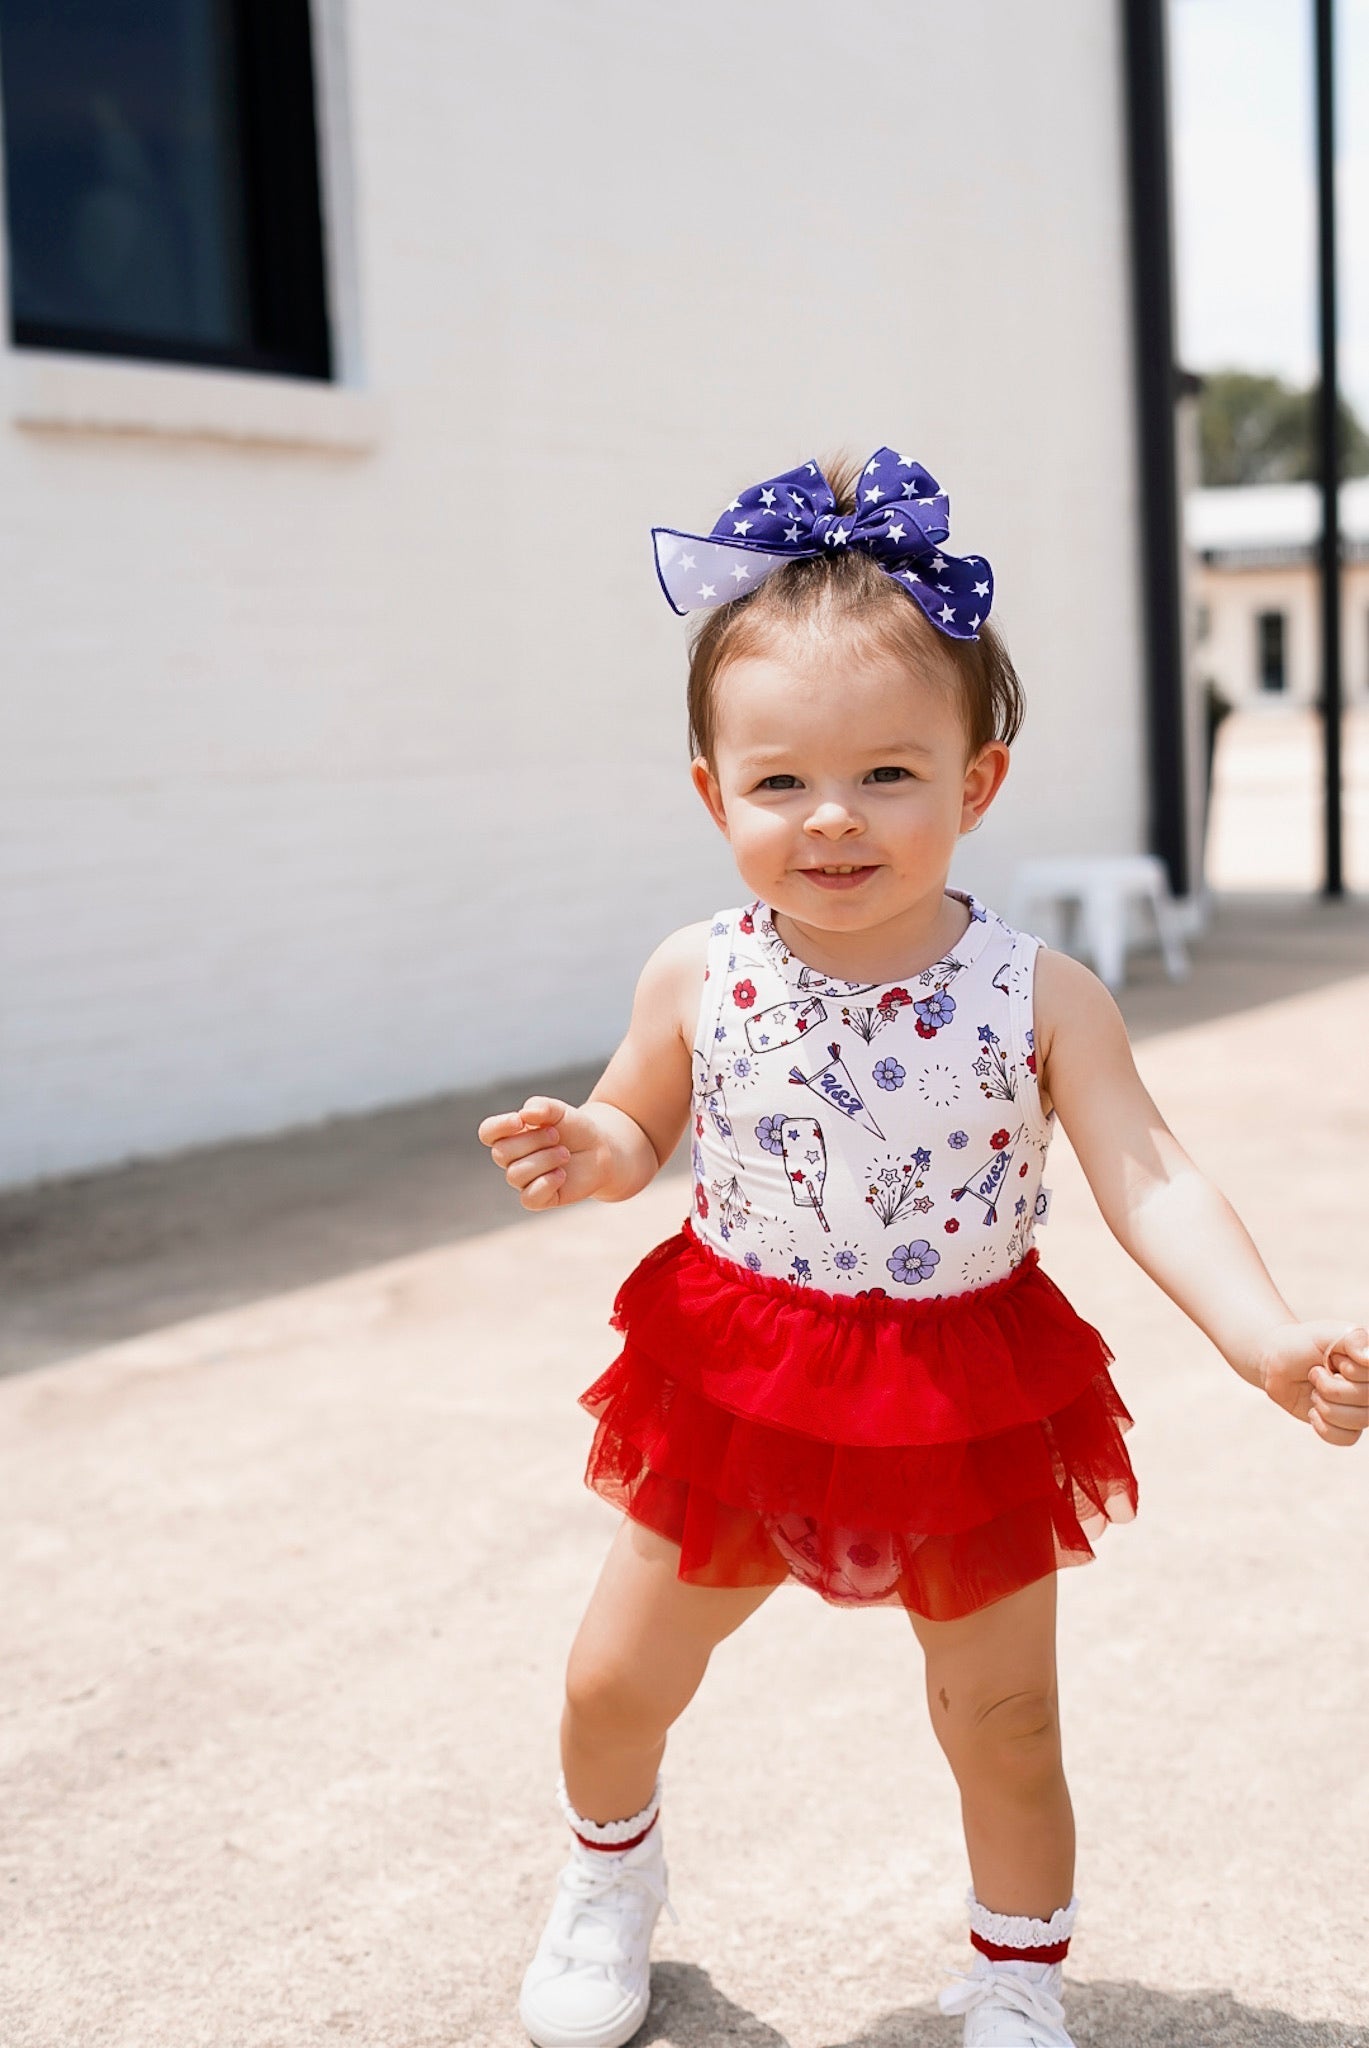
x: 848, y: 1367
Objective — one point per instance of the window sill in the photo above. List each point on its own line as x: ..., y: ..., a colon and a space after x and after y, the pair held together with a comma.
x: 107, y: 395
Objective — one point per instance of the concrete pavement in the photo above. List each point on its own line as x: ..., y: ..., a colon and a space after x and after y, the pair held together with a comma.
x: 291, y: 1497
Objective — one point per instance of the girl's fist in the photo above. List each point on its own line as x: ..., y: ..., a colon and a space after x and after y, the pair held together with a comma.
x: 1320, y: 1373
x: 550, y: 1153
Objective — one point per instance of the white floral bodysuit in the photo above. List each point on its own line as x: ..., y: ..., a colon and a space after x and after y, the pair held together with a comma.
x: 863, y: 1137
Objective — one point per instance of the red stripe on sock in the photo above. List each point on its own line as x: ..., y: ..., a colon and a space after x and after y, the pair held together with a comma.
x: 996, y: 1953
x: 612, y: 1848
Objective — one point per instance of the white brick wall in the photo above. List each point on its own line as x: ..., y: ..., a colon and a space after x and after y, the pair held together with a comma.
x: 331, y: 778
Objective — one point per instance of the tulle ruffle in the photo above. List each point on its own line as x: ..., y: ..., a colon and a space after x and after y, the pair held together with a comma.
x: 939, y: 1453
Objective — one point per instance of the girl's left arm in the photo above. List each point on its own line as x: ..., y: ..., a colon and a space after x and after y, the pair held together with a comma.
x: 1174, y: 1222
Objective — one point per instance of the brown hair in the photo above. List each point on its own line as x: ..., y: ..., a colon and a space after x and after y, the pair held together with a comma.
x: 846, y: 590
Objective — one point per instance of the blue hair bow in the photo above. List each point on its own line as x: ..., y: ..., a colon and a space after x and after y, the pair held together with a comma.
x: 902, y: 517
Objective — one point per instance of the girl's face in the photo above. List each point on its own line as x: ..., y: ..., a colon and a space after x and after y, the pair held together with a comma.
x: 843, y: 788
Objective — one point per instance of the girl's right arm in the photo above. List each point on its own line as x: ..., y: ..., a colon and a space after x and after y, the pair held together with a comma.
x: 553, y: 1154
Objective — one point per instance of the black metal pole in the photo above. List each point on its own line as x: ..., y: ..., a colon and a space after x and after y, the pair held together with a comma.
x: 1152, y: 300
x: 1328, y: 449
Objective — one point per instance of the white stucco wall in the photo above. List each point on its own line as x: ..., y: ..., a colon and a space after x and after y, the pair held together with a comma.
x: 334, y: 776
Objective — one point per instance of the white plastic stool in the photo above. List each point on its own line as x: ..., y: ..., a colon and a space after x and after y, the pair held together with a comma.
x: 1103, y: 885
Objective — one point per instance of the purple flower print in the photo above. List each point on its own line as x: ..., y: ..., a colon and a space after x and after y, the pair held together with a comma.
x: 910, y: 1263
x: 768, y: 1131
x: 959, y: 1139
x: 889, y: 1074
x: 846, y: 1259
x: 753, y: 1261
x: 934, y: 1012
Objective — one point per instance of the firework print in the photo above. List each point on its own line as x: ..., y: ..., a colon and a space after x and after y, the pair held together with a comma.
x: 710, y: 1108
x: 938, y: 1068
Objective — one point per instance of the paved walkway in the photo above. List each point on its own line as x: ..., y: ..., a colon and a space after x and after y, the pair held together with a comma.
x: 291, y: 1491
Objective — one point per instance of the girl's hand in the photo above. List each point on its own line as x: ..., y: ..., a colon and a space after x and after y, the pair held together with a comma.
x: 1320, y: 1373
x: 551, y: 1153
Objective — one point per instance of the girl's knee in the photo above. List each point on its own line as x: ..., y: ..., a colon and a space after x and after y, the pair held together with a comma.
x: 610, y: 1700
x: 1012, y: 1737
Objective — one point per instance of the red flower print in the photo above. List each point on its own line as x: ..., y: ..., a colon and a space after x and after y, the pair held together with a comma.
x: 952, y: 1224
x: 894, y: 999
x: 999, y: 1140
x: 744, y: 994
x: 746, y: 922
x: 700, y: 1200
x: 863, y: 1554
x: 1031, y: 1062
x: 924, y: 1029
x: 1021, y: 1169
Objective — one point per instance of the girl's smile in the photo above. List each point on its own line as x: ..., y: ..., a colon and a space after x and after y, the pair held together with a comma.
x: 843, y: 788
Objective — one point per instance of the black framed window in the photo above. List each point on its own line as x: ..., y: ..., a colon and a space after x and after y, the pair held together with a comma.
x: 1272, y: 638
x: 162, y: 189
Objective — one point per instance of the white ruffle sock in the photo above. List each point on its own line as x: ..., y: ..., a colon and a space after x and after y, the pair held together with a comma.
x: 609, y: 1838
x: 1012, y: 1993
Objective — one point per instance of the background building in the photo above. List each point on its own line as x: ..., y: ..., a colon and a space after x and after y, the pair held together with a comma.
x: 1257, y: 595
x: 344, y: 754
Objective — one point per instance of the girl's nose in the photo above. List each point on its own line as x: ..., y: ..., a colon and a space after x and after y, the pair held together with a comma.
x: 833, y: 819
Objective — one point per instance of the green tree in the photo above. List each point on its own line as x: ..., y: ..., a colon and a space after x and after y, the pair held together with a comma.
x: 1259, y: 430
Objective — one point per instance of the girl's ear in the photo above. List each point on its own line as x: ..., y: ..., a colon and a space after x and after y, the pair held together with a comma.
x: 983, y: 780
x: 706, y: 782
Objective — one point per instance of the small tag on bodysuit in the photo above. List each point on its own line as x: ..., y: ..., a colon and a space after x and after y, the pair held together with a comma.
x: 1043, y: 1206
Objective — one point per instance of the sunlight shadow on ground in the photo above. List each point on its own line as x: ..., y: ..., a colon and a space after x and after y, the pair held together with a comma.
x: 688, y: 2011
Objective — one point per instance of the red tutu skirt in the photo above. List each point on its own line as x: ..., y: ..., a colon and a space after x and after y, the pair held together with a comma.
x: 936, y: 1454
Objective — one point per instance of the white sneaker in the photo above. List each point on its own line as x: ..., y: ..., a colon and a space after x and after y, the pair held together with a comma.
x: 1005, y: 2009
x: 589, y: 1984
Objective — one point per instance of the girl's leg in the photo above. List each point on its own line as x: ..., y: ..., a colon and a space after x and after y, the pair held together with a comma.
x: 991, y: 1691
x: 636, y: 1663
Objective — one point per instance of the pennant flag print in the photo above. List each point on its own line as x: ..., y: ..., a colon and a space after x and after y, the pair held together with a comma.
x: 834, y: 1084
x: 985, y: 1182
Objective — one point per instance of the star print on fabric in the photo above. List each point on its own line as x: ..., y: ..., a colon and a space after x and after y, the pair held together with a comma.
x: 800, y: 511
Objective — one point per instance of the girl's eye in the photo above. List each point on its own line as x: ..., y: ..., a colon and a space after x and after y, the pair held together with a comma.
x: 780, y: 782
x: 887, y: 774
